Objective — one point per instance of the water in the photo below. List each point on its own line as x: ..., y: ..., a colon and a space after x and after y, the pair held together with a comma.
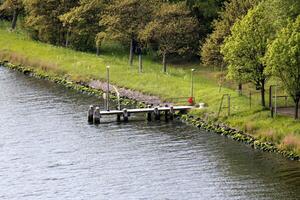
x: 48, y: 151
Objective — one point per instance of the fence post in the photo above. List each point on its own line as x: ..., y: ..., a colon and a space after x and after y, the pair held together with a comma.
x: 270, y: 101
x: 250, y: 99
x: 228, y: 105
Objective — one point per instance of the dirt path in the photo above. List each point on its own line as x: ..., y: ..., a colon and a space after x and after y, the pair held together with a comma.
x: 138, y: 96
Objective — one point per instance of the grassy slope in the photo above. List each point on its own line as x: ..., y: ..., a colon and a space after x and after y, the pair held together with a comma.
x: 78, y: 66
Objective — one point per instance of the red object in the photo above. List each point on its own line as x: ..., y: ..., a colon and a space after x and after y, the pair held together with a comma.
x: 190, y: 100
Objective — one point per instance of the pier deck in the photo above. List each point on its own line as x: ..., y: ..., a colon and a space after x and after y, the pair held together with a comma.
x: 94, y: 113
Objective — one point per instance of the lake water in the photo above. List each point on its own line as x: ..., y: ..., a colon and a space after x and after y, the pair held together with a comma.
x: 49, y: 151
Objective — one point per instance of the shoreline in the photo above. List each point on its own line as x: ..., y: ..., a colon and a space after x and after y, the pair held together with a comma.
x: 218, y: 128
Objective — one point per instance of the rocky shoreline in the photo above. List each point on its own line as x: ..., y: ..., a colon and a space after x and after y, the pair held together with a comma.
x: 128, y: 96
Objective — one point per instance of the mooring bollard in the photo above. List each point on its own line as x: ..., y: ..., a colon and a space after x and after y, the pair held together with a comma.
x: 149, y: 118
x: 156, y: 113
x: 125, y: 115
x: 171, y: 113
x: 97, y: 116
x: 118, y: 118
x: 166, y: 113
x: 90, y: 114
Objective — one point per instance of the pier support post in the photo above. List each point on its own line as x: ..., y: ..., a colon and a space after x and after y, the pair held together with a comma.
x: 96, y: 116
x: 166, y: 114
x: 125, y: 115
x: 156, y: 113
x: 118, y: 118
x: 90, y: 114
x: 171, y: 113
x: 149, y: 118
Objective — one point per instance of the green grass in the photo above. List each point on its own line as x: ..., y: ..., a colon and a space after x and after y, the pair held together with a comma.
x: 18, y: 48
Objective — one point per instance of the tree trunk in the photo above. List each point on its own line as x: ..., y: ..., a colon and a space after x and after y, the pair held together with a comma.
x: 263, y: 100
x: 131, y: 52
x: 240, y: 89
x: 98, y: 50
x: 15, y: 18
x: 164, y: 63
x: 67, y: 39
x: 140, y: 63
x: 296, y: 109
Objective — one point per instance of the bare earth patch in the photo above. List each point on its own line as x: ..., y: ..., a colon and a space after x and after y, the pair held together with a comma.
x: 148, y: 99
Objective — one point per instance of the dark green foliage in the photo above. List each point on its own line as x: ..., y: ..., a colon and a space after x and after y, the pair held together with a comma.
x: 11, y: 9
x: 232, y: 11
x: 283, y: 59
x: 43, y: 22
x: 82, y: 23
x: 205, y: 11
x: 174, y: 29
x: 244, y: 50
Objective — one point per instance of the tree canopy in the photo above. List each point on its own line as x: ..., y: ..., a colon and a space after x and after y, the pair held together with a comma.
x: 42, y: 19
x: 283, y: 59
x: 245, y: 49
x: 14, y: 7
x: 233, y: 10
x: 174, y: 29
x: 82, y: 23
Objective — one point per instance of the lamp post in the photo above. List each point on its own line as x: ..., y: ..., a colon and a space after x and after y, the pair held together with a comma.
x: 192, y: 82
x: 107, y: 91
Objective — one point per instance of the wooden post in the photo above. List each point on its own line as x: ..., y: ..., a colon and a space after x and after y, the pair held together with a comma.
x: 118, y: 118
x: 125, y: 115
x: 140, y: 63
x: 96, y: 116
x: 271, y: 101
x: 164, y: 63
x: 228, y: 105
x: 156, y: 113
x: 250, y: 99
x: 166, y: 114
x: 131, y: 50
x: 171, y: 113
x: 149, y: 118
x: 90, y: 114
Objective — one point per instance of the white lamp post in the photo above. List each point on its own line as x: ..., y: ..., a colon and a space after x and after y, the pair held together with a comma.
x: 192, y: 82
x: 107, y: 91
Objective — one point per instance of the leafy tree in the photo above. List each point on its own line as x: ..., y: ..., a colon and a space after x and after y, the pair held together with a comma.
x: 15, y: 7
x: 245, y: 49
x: 283, y: 60
x: 82, y: 23
x: 232, y: 11
x: 124, y: 19
x: 43, y: 19
x: 173, y: 29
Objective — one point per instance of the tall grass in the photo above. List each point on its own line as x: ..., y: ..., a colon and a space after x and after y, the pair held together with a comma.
x: 79, y: 66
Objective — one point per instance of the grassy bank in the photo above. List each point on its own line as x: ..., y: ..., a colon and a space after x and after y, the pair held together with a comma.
x: 16, y: 47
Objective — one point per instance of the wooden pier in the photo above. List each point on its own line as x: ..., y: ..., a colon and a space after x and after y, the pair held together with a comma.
x: 95, y: 114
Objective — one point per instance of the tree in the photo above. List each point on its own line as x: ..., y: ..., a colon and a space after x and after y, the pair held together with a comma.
x: 43, y: 22
x: 82, y: 23
x: 245, y: 49
x: 205, y: 11
x: 124, y: 19
x: 283, y: 60
x: 14, y: 7
x: 232, y: 11
x: 174, y: 29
